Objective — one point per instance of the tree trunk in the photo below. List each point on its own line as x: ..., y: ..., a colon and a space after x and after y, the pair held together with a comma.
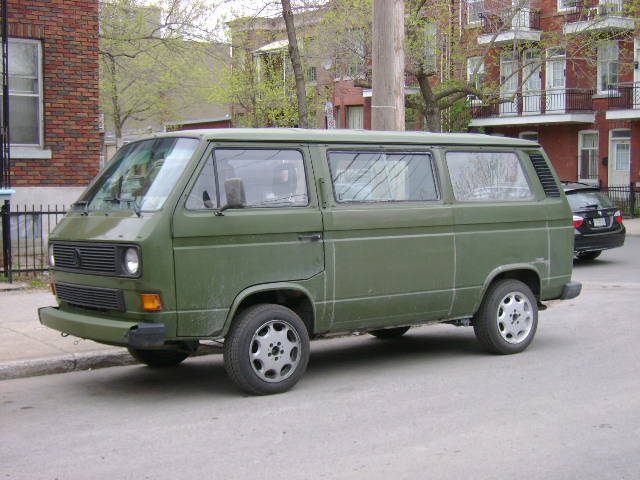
x: 294, y: 54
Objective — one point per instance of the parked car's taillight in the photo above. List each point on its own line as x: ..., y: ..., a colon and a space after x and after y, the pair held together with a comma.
x: 618, y: 216
x: 577, y: 221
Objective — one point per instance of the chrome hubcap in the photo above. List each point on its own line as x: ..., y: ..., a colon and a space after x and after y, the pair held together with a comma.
x: 275, y: 351
x: 515, y: 317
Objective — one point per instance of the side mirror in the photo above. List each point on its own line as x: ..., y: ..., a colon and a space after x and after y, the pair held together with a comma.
x: 236, y: 197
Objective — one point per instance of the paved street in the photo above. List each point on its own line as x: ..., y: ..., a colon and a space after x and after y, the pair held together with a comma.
x: 431, y: 405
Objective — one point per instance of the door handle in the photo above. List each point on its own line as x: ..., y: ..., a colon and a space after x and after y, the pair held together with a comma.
x: 314, y: 237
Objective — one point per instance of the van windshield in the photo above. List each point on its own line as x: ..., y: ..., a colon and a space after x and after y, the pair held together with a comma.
x: 140, y: 177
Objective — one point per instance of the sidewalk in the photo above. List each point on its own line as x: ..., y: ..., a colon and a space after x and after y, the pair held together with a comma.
x: 29, y: 349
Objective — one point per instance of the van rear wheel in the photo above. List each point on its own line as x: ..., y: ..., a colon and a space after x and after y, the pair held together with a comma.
x: 267, y: 349
x: 507, y: 319
x: 158, y: 358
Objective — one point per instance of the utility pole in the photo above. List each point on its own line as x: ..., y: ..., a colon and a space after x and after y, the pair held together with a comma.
x: 387, y: 103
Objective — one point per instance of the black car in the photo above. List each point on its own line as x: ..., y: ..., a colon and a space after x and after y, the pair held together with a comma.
x: 597, y: 220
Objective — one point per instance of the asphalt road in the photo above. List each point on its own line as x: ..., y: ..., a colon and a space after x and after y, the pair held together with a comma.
x: 429, y: 406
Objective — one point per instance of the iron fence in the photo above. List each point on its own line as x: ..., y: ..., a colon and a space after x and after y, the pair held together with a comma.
x: 627, y: 197
x: 29, y: 233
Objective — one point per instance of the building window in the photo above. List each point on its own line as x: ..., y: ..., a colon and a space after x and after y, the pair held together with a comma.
x: 431, y: 46
x: 355, y: 117
x: 567, y: 5
x: 533, y: 136
x: 312, y: 74
x: 25, y: 92
x: 588, y: 155
x: 475, y: 8
x: 608, y: 62
x: 475, y: 74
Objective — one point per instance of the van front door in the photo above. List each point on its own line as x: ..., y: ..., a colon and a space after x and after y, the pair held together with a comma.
x: 277, y: 237
x: 388, y: 239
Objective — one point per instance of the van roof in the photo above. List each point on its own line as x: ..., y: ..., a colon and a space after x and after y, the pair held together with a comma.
x: 350, y: 136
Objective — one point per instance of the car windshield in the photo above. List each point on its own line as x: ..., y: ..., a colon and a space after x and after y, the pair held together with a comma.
x: 140, y: 177
x: 581, y: 199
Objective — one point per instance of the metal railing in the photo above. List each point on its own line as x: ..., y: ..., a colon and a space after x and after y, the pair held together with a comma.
x: 509, y: 19
x: 583, y: 10
x: 625, y: 95
x: 537, y: 103
x: 627, y: 197
x: 28, y: 234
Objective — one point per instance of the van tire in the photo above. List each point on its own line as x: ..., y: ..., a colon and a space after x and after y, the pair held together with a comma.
x: 267, y: 349
x: 158, y: 358
x: 507, y: 319
x: 389, y: 333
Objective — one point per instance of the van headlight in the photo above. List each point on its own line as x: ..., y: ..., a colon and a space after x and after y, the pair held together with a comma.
x: 131, y: 260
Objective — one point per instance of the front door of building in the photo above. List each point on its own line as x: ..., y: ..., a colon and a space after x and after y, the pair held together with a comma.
x: 532, y: 83
x: 556, y: 83
x: 620, y: 158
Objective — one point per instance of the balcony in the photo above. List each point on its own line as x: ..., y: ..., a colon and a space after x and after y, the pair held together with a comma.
x: 507, y: 26
x: 537, y: 107
x: 624, y: 102
x: 598, y: 17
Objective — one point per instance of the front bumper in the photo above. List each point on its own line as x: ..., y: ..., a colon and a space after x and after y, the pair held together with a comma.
x: 111, y: 332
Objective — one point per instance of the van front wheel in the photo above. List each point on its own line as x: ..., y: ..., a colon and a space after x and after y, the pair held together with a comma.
x: 267, y: 349
x: 507, y: 319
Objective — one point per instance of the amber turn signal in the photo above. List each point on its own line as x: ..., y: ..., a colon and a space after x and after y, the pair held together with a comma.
x: 151, y: 302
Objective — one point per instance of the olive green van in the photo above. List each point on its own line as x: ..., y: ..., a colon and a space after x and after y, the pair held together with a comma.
x: 267, y: 238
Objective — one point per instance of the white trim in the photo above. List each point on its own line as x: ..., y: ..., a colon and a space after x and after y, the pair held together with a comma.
x: 512, y: 36
x: 534, y: 120
x: 26, y: 152
x: 629, y: 114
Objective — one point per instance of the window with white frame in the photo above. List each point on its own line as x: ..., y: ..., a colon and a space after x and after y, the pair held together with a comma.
x: 475, y: 8
x: 25, y: 92
x: 608, y: 66
x: 475, y: 74
x: 533, y: 136
x: 567, y: 5
x: 588, y: 155
x: 430, y: 46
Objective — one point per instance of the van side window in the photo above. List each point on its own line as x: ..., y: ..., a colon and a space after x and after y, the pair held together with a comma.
x: 203, y: 195
x: 271, y: 177
x: 382, y: 177
x: 488, y: 176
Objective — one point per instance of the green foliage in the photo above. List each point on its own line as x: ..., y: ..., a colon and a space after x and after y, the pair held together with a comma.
x: 153, y: 58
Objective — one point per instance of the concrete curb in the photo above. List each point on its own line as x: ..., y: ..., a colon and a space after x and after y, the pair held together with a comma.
x: 75, y: 362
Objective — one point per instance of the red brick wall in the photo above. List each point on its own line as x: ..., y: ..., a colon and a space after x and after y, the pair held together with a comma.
x: 68, y: 30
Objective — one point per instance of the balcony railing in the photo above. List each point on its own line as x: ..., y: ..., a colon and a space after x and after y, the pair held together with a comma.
x: 537, y: 103
x: 505, y: 20
x: 625, y: 96
x: 582, y: 10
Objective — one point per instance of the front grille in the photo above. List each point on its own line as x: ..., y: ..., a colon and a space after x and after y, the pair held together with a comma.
x: 86, y: 257
x: 90, y: 297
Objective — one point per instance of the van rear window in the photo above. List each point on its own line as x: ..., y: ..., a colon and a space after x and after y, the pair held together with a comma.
x: 382, y: 176
x: 488, y: 177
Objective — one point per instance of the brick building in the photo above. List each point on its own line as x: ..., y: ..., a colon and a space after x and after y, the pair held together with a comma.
x: 574, y: 81
x: 54, y: 98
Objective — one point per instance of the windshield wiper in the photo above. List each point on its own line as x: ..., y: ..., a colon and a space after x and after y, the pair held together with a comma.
x: 136, y: 208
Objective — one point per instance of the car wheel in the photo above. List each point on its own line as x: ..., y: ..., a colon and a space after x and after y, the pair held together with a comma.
x: 267, y: 349
x: 158, y: 358
x: 507, y: 319
x: 390, y: 333
x: 588, y: 255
